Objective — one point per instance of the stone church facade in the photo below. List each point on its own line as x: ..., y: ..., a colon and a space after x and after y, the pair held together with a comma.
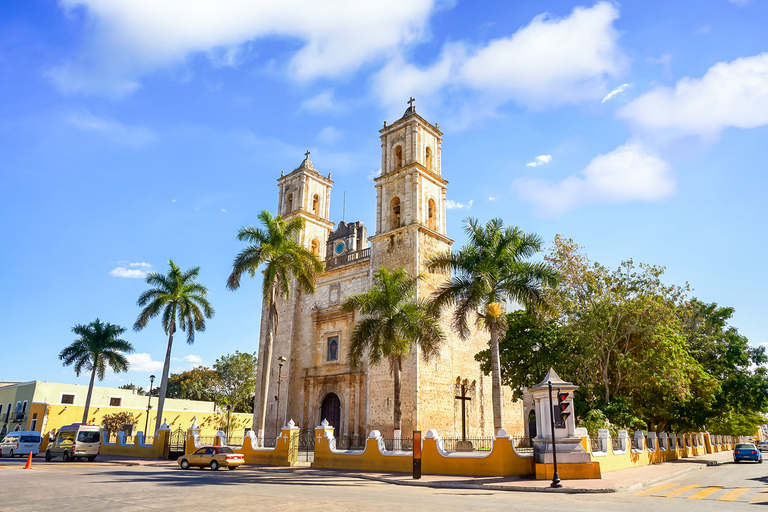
x: 317, y: 380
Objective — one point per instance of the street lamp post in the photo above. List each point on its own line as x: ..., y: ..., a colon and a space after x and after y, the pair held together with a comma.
x: 280, y: 362
x: 555, y: 477
x: 149, y: 404
x: 535, y: 347
x: 229, y: 409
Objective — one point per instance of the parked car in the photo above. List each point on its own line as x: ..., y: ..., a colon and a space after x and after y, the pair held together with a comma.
x: 75, y: 441
x: 213, y: 457
x: 762, y: 446
x: 20, y: 442
x: 747, y: 451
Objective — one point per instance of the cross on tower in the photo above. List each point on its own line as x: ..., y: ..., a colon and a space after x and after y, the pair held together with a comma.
x: 410, y: 102
x: 306, y: 154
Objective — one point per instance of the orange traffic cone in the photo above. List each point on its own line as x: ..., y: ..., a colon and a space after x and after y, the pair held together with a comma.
x: 29, y: 462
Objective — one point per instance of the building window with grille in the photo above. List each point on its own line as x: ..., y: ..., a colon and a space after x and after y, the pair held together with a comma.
x: 67, y: 398
x: 115, y: 401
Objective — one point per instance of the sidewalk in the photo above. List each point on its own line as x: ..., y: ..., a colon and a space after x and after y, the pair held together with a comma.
x: 613, y: 481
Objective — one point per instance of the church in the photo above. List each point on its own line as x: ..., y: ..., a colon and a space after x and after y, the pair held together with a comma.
x: 310, y: 350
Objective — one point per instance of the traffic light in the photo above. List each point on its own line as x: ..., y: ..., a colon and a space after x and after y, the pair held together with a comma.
x: 562, y: 405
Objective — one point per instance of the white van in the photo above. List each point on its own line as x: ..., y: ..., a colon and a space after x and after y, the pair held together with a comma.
x: 20, y: 442
x: 75, y: 441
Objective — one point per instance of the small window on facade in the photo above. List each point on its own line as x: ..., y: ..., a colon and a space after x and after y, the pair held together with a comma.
x: 289, y: 204
x: 8, y: 412
x: 333, y: 348
x: 398, y: 157
x: 395, y: 219
x: 316, y: 204
x: 428, y: 159
x: 115, y: 401
x: 315, y: 247
x: 431, y: 215
x: 67, y: 399
x: 24, y: 407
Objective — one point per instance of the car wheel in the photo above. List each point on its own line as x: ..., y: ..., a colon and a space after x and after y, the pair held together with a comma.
x: 735, y: 461
x: 91, y: 458
x: 11, y: 455
x: 214, y: 465
x: 66, y: 457
x: 185, y: 464
x: 48, y: 456
x: 231, y: 468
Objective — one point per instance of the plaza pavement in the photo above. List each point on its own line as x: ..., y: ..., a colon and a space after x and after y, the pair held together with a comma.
x: 613, y: 481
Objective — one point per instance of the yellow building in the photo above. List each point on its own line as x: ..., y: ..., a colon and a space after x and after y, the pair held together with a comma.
x: 45, y: 406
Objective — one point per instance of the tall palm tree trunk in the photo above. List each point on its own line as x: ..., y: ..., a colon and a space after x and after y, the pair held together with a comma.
x: 266, y: 363
x: 90, y: 391
x: 495, y: 379
x: 396, y: 364
x: 164, y: 380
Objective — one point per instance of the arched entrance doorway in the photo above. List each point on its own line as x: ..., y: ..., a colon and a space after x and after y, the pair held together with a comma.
x: 331, y: 411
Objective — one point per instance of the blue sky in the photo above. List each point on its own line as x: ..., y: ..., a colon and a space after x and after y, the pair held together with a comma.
x: 134, y: 131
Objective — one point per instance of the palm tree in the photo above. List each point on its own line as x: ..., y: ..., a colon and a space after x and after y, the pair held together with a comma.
x: 274, y: 246
x: 487, y: 272
x: 98, y: 345
x: 177, y: 295
x: 394, y: 321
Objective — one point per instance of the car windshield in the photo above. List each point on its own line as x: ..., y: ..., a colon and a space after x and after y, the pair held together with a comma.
x: 225, y: 449
x: 745, y: 446
x: 88, y: 437
x: 29, y: 439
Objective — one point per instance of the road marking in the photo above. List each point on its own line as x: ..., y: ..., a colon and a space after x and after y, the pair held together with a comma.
x: 678, y: 492
x: 655, y: 489
x: 734, y: 494
x: 706, y: 492
x: 762, y: 497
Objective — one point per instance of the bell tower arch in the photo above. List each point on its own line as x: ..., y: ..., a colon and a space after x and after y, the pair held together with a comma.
x: 410, y: 194
x: 306, y: 193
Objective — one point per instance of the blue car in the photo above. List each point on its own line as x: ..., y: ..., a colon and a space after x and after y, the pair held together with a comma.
x: 747, y: 451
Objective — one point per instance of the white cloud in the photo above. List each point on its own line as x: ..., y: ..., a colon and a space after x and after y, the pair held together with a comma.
x: 143, y: 363
x: 114, y: 130
x: 730, y: 94
x: 539, y: 160
x: 491, y: 198
x: 133, y: 273
x: 628, y: 173
x: 131, y: 37
x: 616, y: 91
x: 550, y: 62
x: 140, y: 264
x: 323, y: 103
x: 193, y: 359
x: 330, y: 135
x: 453, y: 205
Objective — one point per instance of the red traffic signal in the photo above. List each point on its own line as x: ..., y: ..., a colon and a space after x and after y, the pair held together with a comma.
x: 562, y: 405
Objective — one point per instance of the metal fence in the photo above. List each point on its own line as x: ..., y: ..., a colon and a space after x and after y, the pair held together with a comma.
x: 351, y: 443
x: 470, y: 444
x: 403, y: 444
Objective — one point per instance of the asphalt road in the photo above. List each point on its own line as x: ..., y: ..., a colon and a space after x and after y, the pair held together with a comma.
x: 58, y: 486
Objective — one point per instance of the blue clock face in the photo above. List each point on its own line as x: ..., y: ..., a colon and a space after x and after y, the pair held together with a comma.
x: 339, y: 248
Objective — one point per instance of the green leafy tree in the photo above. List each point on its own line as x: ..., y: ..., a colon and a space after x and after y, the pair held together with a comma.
x: 132, y: 386
x: 115, y: 422
x: 276, y: 248
x: 237, y: 377
x: 487, y: 272
x: 178, y: 296
x: 199, y: 383
x: 98, y: 345
x: 393, y: 322
x: 521, y: 368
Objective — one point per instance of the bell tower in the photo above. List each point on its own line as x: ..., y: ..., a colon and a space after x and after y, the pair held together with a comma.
x: 306, y: 193
x: 410, y: 194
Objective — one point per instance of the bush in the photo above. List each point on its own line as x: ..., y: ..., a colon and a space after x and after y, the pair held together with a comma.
x: 594, y: 421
